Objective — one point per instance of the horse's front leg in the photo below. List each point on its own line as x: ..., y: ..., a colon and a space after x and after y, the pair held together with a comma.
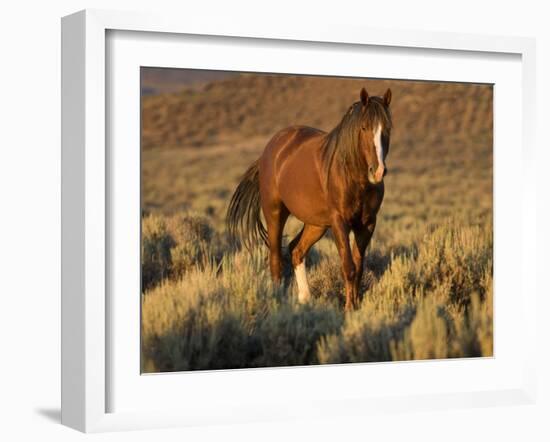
x: 341, y: 230
x: 362, y: 236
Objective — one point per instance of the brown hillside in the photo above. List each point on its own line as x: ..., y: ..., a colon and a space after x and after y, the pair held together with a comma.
x: 167, y: 80
x: 246, y: 105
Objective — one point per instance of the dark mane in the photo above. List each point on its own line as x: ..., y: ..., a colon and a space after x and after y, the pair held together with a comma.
x: 342, y: 143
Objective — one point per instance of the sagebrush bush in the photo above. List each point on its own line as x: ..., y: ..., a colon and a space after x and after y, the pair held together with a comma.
x: 156, y: 243
x: 366, y: 336
x: 430, y: 301
x: 326, y: 282
x: 190, y: 328
x: 457, y: 258
x: 290, y: 335
x: 192, y: 237
x: 203, y: 320
x: 172, y: 246
x: 426, y: 337
x: 426, y: 305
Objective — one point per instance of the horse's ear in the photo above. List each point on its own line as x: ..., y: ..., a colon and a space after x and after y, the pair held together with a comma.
x: 387, y: 97
x: 364, y: 96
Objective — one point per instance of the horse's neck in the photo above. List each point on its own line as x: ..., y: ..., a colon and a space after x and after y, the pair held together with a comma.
x: 354, y: 181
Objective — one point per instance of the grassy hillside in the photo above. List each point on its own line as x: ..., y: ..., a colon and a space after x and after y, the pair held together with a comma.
x: 428, y: 284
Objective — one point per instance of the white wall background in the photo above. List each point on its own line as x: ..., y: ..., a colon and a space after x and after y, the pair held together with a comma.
x: 30, y: 215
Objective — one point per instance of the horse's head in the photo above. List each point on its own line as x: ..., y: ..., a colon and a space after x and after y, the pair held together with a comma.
x: 374, y: 133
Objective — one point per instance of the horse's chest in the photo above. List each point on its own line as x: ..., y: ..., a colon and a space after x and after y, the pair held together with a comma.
x: 363, y: 206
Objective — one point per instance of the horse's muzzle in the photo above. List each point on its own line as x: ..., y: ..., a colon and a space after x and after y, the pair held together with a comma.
x: 376, y: 177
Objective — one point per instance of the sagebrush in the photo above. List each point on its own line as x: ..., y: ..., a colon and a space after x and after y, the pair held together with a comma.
x: 435, y: 302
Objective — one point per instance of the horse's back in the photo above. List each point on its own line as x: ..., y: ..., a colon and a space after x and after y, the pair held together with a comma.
x: 288, y: 143
x: 290, y: 171
x: 292, y: 138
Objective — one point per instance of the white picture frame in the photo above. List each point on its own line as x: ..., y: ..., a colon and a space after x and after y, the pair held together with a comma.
x: 86, y: 203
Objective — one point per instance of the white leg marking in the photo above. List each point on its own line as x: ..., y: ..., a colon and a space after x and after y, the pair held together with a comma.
x: 301, y: 280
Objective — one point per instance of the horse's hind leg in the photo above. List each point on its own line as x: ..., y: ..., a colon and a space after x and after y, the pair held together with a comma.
x: 299, y: 247
x: 275, y: 215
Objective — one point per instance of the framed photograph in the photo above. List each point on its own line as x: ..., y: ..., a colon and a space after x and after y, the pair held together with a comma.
x: 262, y: 223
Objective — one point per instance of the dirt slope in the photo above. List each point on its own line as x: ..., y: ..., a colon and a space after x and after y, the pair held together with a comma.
x: 243, y: 106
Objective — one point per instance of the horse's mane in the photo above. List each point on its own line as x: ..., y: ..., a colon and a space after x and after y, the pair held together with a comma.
x: 342, y: 143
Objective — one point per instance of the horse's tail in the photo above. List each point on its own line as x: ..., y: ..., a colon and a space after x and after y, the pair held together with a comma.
x: 243, y: 217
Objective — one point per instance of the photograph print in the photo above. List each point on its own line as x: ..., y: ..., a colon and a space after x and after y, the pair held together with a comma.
x: 294, y: 220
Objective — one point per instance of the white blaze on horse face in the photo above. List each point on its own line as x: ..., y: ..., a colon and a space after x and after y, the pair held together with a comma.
x: 378, y: 144
x: 379, y: 153
x: 301, y: 280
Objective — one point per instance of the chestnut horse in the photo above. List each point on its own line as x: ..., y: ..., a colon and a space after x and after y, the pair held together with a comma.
x: 326, y: 180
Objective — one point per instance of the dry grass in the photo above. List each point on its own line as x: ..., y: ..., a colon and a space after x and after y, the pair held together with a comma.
x: 435, y: 302
x: 428, y: 283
